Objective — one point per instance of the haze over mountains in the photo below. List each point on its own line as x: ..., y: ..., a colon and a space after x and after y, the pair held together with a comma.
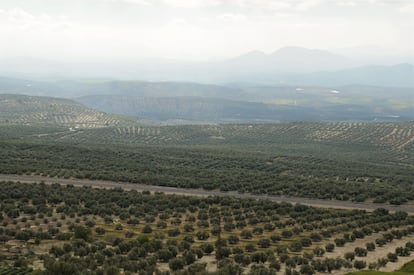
x: 292, y: 83
x: 289, y: 65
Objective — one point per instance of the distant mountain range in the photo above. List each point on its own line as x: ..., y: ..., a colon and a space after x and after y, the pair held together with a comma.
x: 292, y: 83
x: 286, y: 66
x: 401, y: 75
x: 288, y: 60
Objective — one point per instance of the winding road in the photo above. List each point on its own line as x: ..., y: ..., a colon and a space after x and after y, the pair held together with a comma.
x: 409, y: 208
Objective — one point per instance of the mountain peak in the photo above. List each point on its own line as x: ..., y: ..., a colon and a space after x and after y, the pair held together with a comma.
x: 290, y: 59
x: 295, y: 50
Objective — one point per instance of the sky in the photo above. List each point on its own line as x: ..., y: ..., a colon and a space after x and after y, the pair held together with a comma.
x: 198, y: 30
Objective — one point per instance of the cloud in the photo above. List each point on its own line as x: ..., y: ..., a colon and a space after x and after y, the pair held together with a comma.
x: 178, y: 21
x: 135, y: 2
x: 279, y: 5
x: 20, y: 19
x: 264, y: 5
x: 191, y: 4
x: 20, y: 15
x: 231, y: 17
x: 305, y: 5
x: 408, y: 8
x: 347, y: 3
x: 198, y: 29
x: 275, y: 5
x: 140, y: 2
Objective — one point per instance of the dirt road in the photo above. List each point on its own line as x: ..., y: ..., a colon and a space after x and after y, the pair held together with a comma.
x: 200, y: 192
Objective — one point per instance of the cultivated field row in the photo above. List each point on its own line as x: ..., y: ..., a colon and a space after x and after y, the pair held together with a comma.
x: 104, y: 229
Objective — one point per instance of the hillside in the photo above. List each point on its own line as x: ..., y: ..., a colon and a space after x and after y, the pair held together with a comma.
x: 194, y: 108
x: 29, y: 87
x: 279, y: 104
x: 32, y: 109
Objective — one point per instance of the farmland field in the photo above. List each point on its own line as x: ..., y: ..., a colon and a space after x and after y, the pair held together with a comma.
x: 207, y: 137
x: 51, y: 227
x: 104, y: 230
x: 343, y: 161
x: 28, y: 109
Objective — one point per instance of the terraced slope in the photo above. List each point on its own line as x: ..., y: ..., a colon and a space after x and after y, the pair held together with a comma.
x: 32, y: 109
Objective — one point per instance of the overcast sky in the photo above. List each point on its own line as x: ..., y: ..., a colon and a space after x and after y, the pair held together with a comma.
x: 113, y: 30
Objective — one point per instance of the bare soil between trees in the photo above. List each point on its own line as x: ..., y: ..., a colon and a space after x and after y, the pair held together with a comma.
x: 409, y: 208
x: 373, y: 256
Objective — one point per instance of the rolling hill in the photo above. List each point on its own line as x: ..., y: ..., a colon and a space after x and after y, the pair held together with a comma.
x: 308, y: 105
x: 193, y: 108
x: 235, y: 102
x: 32, y: 109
